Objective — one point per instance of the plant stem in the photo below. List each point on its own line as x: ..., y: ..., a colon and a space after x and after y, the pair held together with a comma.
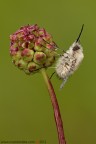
x: 57, y: 115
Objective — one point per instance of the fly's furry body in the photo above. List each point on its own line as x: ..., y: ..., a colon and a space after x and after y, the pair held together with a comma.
x: 69, y: 62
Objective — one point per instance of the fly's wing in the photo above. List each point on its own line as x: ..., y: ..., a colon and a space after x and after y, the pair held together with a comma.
x: 63, y: 83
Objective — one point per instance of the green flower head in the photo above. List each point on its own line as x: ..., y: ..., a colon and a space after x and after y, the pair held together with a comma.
x: 32, y: 48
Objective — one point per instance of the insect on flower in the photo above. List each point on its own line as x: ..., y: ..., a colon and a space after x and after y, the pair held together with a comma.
x: 68, y: 62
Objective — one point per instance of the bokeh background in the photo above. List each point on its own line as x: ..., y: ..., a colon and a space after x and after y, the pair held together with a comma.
x: 25, y: 109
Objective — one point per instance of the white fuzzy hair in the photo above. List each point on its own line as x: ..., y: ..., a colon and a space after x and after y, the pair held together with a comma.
x: 69, y: 62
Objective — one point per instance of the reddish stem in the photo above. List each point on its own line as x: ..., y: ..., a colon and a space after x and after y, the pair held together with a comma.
x: 57, y: 115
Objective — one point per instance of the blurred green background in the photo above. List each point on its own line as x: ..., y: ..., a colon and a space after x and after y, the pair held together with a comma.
x: 25, y: 109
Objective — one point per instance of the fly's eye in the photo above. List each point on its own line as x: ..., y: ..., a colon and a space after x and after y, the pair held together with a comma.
x: 75, y: 48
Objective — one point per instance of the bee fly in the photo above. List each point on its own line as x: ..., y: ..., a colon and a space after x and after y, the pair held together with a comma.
x: 68, y: 62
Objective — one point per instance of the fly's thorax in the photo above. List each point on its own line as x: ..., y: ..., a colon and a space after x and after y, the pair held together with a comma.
x: 76, y: 51
x: 77, y: 55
